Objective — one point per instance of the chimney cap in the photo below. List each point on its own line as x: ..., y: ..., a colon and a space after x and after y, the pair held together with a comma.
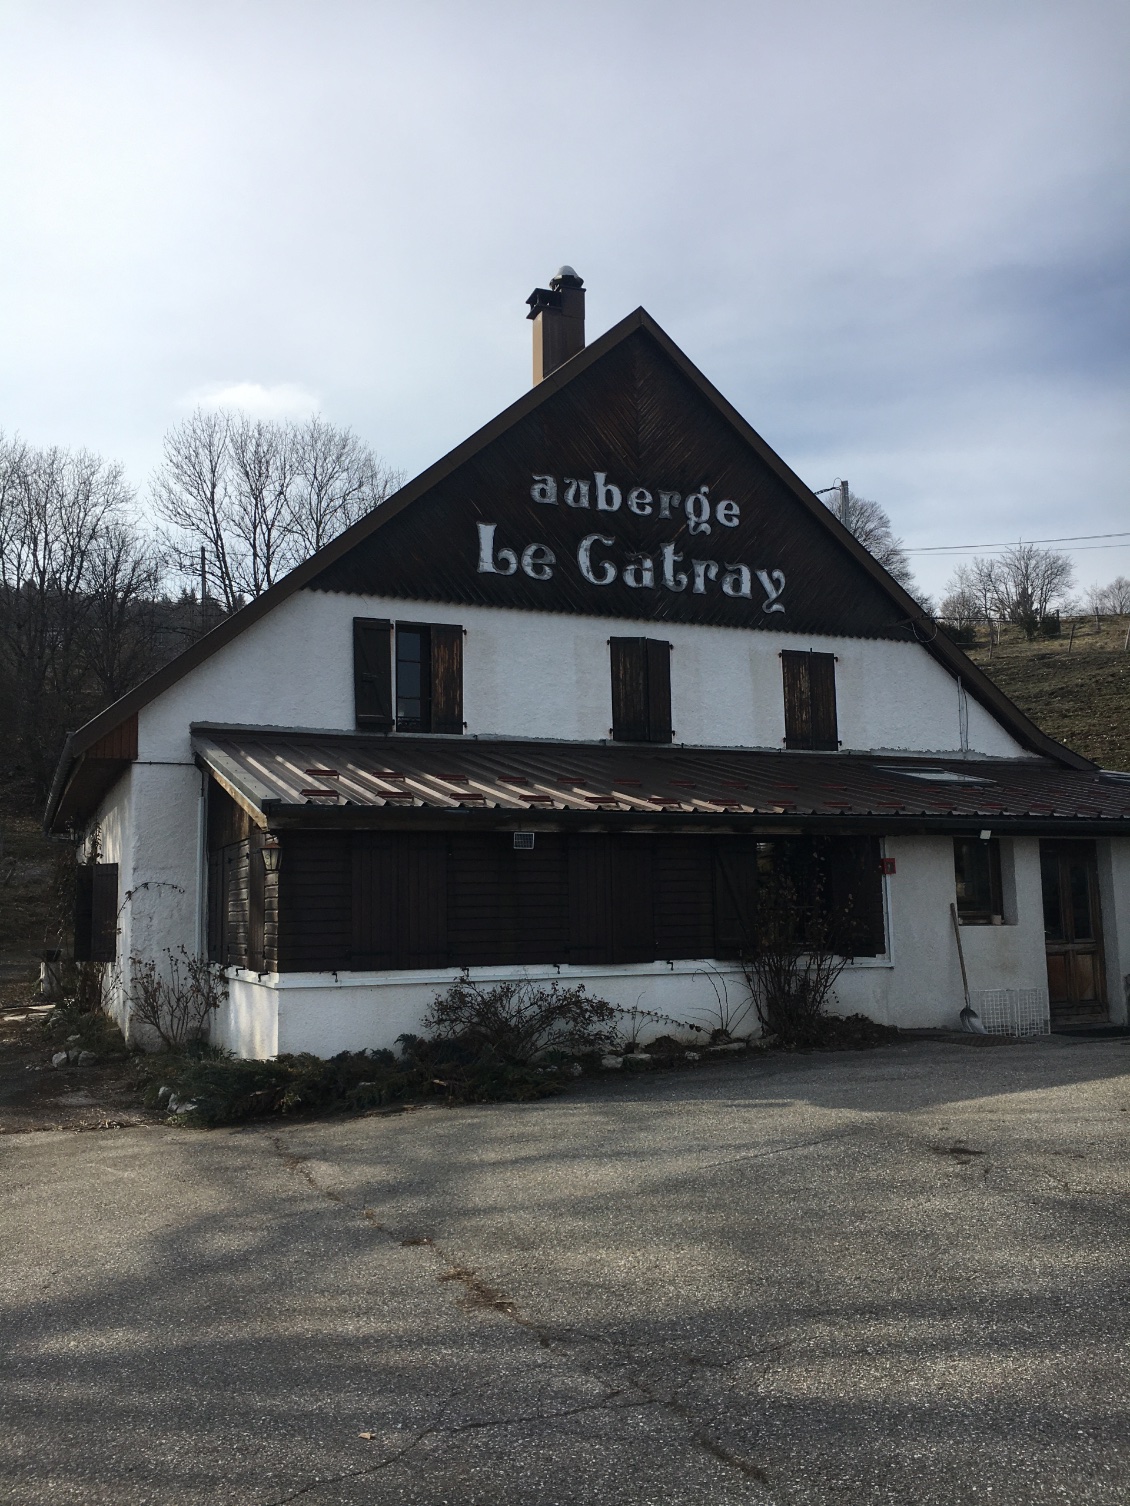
x: 566, y: 277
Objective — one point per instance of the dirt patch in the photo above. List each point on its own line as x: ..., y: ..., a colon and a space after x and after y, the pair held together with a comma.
x: 34, y: 1095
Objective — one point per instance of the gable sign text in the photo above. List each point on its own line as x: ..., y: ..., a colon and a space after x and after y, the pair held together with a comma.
x: 697, y: 564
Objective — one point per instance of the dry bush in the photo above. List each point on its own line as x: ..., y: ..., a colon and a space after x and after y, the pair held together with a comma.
x: 176, y: 1004
x: 517, y: 1021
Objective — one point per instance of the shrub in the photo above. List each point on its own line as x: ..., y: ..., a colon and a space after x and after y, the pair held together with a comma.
x: 222, y: 1090
x: 792, y: 967
x: 177, y: 1007
x: 517, y: 1022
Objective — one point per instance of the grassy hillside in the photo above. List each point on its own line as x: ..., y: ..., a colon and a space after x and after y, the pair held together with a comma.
x: 1079, y: 694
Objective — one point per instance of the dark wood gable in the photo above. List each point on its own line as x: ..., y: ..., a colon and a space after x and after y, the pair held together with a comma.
x: 624, y: 432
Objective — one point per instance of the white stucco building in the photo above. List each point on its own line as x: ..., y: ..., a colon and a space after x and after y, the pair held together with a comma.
x: 559, y: 707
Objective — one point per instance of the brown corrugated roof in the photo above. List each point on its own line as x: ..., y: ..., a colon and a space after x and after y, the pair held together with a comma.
x: 315, y: 778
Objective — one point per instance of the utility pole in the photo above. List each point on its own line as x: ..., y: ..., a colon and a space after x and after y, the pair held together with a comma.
x: 203, y: 590
x: 845, y: 500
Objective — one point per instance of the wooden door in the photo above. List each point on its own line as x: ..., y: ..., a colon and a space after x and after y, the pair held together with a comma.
x: 1073, y: 932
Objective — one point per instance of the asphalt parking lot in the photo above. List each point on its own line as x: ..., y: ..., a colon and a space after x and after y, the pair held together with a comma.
x: 900, y: 1275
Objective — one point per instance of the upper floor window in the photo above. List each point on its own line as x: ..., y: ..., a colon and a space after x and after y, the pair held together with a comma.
x: 408, y: 675
x: 641, y: 690
x: 413, y: 679
x: 810, y: 700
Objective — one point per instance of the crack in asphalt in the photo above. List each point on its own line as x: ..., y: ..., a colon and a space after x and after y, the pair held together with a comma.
x: 478, y: 1294
x: 454, y: 1428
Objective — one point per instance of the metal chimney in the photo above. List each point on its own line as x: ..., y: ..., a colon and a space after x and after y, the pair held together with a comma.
x: 558, y: 313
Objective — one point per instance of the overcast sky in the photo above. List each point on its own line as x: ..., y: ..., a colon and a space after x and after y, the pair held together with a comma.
x: 893, y: 234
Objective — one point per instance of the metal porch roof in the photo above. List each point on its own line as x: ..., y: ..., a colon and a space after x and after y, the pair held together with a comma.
x: 311, y: 778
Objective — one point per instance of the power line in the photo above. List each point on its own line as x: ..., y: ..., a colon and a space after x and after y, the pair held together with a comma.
x: 1012, y: 543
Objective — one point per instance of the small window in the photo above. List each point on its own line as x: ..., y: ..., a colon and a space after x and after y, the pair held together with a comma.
x: 96, y: 912
x: 810, y: 700
x: 977, y: 871
x: 429, y: 677
x: 641, y: 690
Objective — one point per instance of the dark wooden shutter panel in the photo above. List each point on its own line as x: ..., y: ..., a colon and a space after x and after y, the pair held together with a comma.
x: 629, y: 689
x: 447, y: 678
x: 104, y: 913
x: 822, y: 680
x: 480, y: 900
x: 376, y: 899
x: 372, y: 673
x: 84, y: 902
x: 798, y: 698
x: 315, y: 901
x: 682, y: 890
x: 735, y: 896
x: 633, y: 907
x: 590, y: 898
x: 423, y: 900
x: 541, y: 892
x: 658, y: 658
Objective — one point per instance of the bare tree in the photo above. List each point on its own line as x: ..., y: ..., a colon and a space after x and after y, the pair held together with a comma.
x: 1117, y: 596
x: 1028, y: 581
x: 262, y: 460
x: 192, y: 493
x: 962, y: 607
x: 58, y: 513
x: 260, y: 496
x: 124, y: 583
x: 871, y: 525
x: 337, y: 480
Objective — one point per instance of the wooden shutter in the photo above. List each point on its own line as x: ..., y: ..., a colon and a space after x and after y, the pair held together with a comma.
x: 798, y: 698
x: 481, y: 920
x: 822, y: 681
x: 423, y: 899
x: 658, y: 660
x: 447, y: 678
x: 683, y: 891
x: 376, y: 899
x: 590, y: 898
x: 633, y: 906
x: 84, y: 902
x: 735, y: 896
x: 315, y: 901
x: 629, y: 689
x: 372, y: 673
x: 541, y: 893
x: 104, y: 913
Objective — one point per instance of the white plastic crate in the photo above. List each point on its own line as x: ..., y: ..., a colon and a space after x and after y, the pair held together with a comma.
x: 1013, y: 1011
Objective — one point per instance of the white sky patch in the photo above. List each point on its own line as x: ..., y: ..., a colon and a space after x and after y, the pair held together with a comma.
x: 284, y: 400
